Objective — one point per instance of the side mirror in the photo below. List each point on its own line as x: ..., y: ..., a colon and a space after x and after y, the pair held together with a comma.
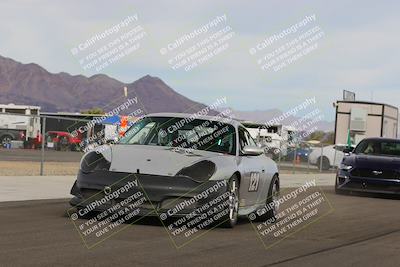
x: 252, y: 151
x: 347, y: 151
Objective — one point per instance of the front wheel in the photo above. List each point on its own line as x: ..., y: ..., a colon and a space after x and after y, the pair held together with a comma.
x: 230, y: 219
x: 337, y: 190
x: 272, y: 200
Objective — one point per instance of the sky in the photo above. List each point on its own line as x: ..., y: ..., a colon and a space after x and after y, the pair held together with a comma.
x: 359, y: 49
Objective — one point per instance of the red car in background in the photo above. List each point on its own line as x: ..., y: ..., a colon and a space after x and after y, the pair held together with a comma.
x: 62, y: 141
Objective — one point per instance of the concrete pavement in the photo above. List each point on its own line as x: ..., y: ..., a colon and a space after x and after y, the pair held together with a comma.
x: 14, y: 188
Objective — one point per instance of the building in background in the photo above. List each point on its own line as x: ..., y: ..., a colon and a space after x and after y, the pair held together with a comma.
x: 361, y: 119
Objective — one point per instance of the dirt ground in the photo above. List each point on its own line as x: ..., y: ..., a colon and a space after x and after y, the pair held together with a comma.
x: 23, y: 168
x: 27, y: 162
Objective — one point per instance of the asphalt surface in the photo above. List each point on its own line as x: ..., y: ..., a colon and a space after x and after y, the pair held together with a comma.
x: 360, y: 231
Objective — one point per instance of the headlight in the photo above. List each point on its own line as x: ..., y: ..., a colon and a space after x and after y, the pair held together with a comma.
x: 345, y: 167
x: 94, y: 161
x: 200, y: 171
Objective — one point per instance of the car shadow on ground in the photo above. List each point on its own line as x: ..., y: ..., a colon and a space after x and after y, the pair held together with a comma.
x: 371, y: 195
x: 150, y: 220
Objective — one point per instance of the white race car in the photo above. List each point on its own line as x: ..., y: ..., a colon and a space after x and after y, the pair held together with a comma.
x: 179, y: 158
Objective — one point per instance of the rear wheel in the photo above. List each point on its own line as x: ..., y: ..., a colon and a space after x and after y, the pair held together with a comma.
x: 5, y: 139
x: 325, y: 163
x: 230, y: 219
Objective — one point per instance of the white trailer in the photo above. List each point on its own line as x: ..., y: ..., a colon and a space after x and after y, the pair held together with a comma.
x: 274, y: 139
x: 18, y: 122
x: 362, y: 119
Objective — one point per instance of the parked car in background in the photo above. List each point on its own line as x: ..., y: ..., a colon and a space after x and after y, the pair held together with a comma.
x: 62, y: 141
x: 331, y: 156
x: 302, y: 153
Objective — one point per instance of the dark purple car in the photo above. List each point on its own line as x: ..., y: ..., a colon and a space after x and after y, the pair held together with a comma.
x: 373, y: 166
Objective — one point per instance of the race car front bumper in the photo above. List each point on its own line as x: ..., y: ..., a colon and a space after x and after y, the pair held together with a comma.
x: 347, y: 182
x: 161, y: 193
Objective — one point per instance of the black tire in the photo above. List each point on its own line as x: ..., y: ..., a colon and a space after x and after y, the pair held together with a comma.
x: 337, y: 190
x: 230, y: 220
x: 5, y: 139
x: 325, y: 163
x: 273, y: 192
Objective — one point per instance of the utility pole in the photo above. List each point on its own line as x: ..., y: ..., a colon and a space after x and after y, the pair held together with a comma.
x: 125, y: 91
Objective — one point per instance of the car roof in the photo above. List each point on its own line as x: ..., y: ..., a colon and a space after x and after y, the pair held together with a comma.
x: 227, y: 120
x: 381, y: 139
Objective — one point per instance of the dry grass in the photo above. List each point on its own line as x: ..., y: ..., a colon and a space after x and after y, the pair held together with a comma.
x: 24, y: 168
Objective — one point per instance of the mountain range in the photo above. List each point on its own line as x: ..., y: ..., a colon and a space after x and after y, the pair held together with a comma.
x: 31, y: 84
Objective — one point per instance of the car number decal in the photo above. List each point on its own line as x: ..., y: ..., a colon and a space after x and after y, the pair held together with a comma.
x: 254, y: 180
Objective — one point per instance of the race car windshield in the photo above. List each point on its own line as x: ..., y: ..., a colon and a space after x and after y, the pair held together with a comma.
x: 185, y: 133
x: 379, y: 148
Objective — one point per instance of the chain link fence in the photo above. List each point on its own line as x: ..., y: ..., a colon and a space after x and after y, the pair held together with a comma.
x: 45, y: 144
x: 305, y: 157
x: 54, y: 144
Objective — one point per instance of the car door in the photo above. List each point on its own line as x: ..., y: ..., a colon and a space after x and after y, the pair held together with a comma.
x: 253, y: 183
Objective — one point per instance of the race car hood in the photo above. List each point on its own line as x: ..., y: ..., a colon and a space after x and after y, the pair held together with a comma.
x: 154, y: 160
x: 372, y: 161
